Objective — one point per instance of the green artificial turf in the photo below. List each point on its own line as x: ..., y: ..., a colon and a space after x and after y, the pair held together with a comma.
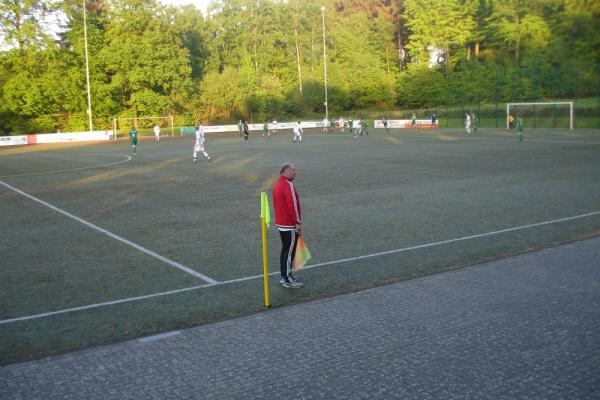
x: 360, y: 196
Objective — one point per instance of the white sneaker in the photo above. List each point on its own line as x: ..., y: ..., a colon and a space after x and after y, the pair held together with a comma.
x: 294, y: 283
x: 284, y: 282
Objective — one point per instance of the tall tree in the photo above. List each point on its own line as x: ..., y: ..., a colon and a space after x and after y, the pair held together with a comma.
x: 514, y: 23
x: 479, y: 10
x: 21, y: 22
x: 249, y: 58
x: 149, y: 69
x: 436, y: 24
x: 360, y: 69
x: 192, y: 30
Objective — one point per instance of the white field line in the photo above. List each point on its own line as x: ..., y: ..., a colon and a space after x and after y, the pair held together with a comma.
x: 127, y: 158
x: 160, y: 336
x: 107, y: 303
x: 506, y: 139
x: 112, y: 235
x: 530, y: 139
x: 247, y: 278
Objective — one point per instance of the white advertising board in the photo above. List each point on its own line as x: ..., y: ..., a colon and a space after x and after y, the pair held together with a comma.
x: 221, y: 128
x: 73, y: 137
x: 13, y: 140
x: 55, y: 138
x: 258, y: 127
x: 404, y: 123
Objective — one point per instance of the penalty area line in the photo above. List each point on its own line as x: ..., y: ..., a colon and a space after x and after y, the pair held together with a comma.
x: 345, y: 260
x: 113, y: 236
x: 127, y: 158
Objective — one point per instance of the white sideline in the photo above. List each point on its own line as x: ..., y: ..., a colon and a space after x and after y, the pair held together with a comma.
x: 112, y: 235
x: 97, y: 305
x: 247, y: 278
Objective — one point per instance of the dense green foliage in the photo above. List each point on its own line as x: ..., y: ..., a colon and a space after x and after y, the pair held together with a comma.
x: 259, y: 59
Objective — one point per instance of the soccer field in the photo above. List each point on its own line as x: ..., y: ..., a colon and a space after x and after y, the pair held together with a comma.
x: 99, y: 246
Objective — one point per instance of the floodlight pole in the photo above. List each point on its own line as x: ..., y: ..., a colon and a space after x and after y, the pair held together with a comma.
x: 325, y: 64
x: 87, y: 69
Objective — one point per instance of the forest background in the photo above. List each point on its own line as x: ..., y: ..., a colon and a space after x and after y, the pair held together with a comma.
x: 263, y: 59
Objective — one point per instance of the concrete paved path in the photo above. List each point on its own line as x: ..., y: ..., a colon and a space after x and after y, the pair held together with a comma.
x: 526, y: 327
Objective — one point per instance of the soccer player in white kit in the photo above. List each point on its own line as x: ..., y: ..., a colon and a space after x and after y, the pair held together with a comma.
x: 356, y: 128
x: 274, y: 127
x: 468, y: 123
x: 297, y: 133
x: 199, y: 146
x: 157, y: 132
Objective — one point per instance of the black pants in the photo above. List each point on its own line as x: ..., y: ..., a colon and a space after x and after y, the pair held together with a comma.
x: 289, y: 239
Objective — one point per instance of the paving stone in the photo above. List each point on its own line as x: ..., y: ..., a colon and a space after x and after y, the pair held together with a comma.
x: 518, y: 328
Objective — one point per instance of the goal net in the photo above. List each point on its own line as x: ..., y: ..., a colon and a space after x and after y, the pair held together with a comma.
x: 541, y: 115
x: 144, y: 125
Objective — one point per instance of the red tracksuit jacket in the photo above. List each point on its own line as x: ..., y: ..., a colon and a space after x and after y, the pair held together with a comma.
x: 286, y: 204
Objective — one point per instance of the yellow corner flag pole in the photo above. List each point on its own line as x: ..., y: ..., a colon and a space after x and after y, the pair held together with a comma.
x: 265, y: 220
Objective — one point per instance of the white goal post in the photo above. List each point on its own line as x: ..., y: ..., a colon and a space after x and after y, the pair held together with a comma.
x: 136, y: 121
x: 546, y: 103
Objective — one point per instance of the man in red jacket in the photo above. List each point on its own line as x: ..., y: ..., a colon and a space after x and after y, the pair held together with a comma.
x: 288, y: 221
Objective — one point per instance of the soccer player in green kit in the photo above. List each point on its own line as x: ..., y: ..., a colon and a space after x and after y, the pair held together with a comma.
x: 475, y: 123
x: 520, y: 124
x: 241, y: 127
x: 133, y: 137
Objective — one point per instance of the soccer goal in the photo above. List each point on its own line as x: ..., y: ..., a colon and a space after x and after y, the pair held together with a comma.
x: 144, y: 125
x: 551, y: 114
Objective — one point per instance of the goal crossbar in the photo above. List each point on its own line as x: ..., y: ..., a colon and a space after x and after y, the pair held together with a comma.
x: 116, y: 120
x: 548, y: 103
